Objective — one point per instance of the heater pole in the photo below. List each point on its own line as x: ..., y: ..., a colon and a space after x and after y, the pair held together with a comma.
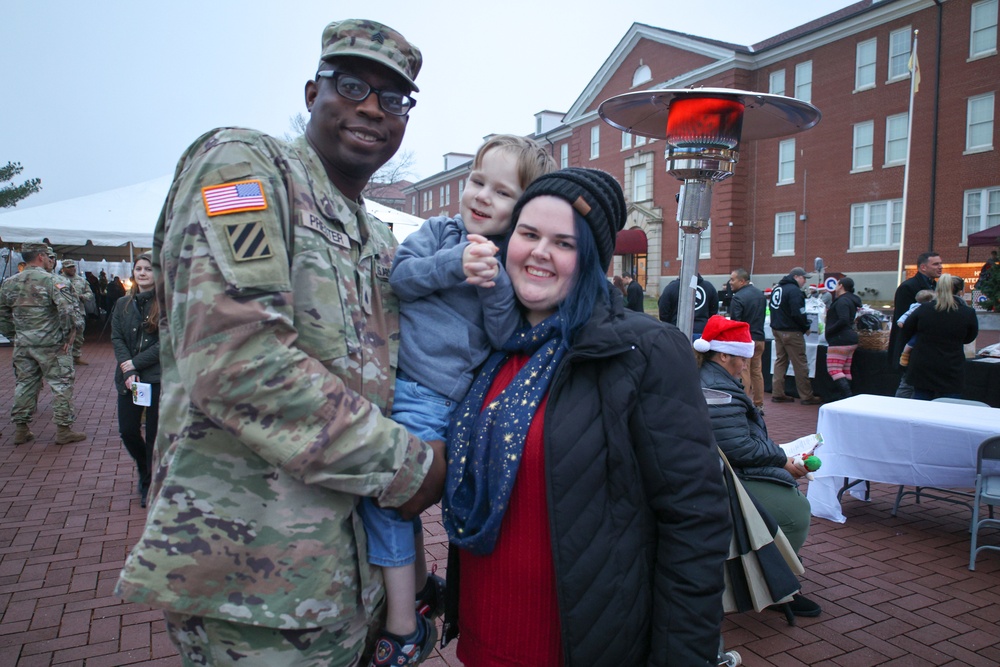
x: 693, y: 211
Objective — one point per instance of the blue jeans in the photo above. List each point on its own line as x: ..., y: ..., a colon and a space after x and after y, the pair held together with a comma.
x: 425, y: 414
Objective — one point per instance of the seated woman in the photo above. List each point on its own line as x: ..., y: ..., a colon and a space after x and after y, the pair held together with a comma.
x: 766, y: 472
x: 584, y: 494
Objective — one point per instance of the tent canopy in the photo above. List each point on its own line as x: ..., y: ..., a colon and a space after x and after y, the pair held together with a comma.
x: 102, y: 225
x: 990, y: 236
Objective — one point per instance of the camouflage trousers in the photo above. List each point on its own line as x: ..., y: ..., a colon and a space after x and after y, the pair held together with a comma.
x: 78, y: 344
x: 31, y: 366
x: 204, y: 641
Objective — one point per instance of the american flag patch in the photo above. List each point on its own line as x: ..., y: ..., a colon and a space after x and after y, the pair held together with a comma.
x: 234, y: 197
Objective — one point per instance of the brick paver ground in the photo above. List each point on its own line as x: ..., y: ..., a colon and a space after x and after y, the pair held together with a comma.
x: 895, y: 591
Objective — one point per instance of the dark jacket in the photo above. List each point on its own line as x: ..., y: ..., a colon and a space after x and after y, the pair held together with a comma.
x: 750, y: 305
x: 840, y: 320
x: 131, y: 340
x: 906, y: 296
x: 633, y: 296
x: 706, y: 303
x: 741, y: 433
x: 788, y: 306
x: 638, y: 513
x: 937, y: 361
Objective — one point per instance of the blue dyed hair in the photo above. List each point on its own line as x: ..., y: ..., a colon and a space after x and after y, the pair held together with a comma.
x: 590, y: 283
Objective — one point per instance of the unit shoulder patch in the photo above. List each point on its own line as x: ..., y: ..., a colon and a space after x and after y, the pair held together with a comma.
x: 248, y: 240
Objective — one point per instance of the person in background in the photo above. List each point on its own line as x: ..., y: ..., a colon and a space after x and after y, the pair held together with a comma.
x: 544, y: 541
x: 841, y: 336
x: 83, y: 292
x: 923, y: 296
x: 929, y: 267
x: 633, y: 293
x: 767, y: 473
x: 790, y: 324
x: 706, y: 303
x: 619, y: 284
x: 942, y: 327
x: 279, y: 335
x: 749, y: 305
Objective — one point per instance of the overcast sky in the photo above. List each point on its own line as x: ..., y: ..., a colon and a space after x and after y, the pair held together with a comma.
x: 101, y: 94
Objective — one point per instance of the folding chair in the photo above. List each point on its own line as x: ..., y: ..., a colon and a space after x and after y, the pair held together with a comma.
x: 923, y: 490
x: 987, y: 491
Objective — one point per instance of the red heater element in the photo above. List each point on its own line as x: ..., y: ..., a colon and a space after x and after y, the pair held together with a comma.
x: 697, y: 122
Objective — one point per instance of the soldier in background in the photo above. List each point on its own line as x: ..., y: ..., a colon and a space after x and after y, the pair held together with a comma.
x: 84, y: 297
x: 40, y: 313
x: 278, y: 344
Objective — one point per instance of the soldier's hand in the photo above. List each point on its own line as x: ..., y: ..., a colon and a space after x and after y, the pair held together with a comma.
x: 432, y: 488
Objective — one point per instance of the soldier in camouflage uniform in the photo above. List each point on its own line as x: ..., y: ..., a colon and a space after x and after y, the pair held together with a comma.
x: 85, y: 296
x: 278, y: 346
x: 40, y: 313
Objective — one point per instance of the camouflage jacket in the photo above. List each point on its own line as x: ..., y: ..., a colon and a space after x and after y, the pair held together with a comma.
x: 38, y: 309
x: 82, y: 289
x: 278, y: 344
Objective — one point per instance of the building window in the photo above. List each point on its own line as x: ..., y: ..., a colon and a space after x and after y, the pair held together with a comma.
x: 447, y: 195
x: 895, y: 139
x: 979, y: 123
x: 564, y: 156
x: 626, y: 140
x: 413, y: 205
x: 640, y: 140
x: 864, y: 142
x: 876, y: 225
x: 983, y: 33
x: 776, y: 82
x: 804, y: 81
x: 899, y: 54
x: 427, y: 197
x: 864, y: 64
x: 595, y: 142
x: 786, y: 162
x: 982, y: 211
x: 704, y: 246
x: 642, y: 74
x: 640, y: 187
x: 784, y: 233
x: 441, y: 196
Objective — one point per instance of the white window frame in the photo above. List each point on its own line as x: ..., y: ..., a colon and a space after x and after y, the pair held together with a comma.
x: 413, y: 205
x: 983, y: 25
x: 899, y: 54
x: 865, y: 64
x: 626, y: 141
x: 977, y: 119
x: 640, y: 183
x: 776, y: 82
x: 595, y: 142
x: 895, y: 136
x: 786, y: 162
x: 979, y: 213
x: 461, y: 188
x: 447, y: 195
x: 641, y: 75
x: 563, y: 156
x: 893, y: 225
x: 803, y: 81
x: 784, y: 238
x: 441, y: 196
x: 863, y: 147
x: 640, y: 140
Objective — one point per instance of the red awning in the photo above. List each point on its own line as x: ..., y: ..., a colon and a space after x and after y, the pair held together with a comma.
x: 631, y: 242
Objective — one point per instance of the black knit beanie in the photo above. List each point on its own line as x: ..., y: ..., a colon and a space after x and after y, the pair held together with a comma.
x: 592, y: 193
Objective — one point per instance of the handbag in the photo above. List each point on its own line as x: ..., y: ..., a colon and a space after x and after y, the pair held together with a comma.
x: 762, y: 568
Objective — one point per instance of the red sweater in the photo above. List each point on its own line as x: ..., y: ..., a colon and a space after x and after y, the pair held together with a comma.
x: 507, y: 601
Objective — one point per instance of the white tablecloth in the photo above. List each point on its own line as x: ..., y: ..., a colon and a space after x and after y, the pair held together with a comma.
x: 812, y: 342
x: 897, y: 441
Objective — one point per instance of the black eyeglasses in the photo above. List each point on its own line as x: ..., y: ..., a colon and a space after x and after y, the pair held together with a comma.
x: 358, y: 90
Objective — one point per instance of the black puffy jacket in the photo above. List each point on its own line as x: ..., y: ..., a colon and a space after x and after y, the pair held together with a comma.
x: 840, y: 320
x: 638, y: 513
x: 741, y: 433
x: 131, y: 340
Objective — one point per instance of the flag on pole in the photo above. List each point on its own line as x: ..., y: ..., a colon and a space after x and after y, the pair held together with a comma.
x: 914, y: 66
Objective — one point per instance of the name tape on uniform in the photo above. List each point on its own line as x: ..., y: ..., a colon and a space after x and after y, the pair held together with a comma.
x: 313, y: 222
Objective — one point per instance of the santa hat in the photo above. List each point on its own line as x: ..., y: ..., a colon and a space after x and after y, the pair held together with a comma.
x: 729, y: 336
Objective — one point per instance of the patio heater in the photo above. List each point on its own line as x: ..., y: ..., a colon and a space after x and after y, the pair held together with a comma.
x: 703, y: 128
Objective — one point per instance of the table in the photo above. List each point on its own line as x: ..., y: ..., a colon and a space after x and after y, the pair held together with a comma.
x: 896, y: 441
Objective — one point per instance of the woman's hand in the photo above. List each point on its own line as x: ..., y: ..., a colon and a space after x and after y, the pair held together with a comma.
x: 795, y: 470
x: 126, y: 366
x: 129, y: 381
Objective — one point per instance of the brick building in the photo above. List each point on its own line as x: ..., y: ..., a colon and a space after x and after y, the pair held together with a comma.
x: 834, y: 191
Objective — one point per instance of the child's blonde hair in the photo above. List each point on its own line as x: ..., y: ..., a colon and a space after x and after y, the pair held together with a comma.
x: 532, y: 159
x: 924, y: 296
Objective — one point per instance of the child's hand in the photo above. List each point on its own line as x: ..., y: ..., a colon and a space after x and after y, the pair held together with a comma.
x: 479, y: 261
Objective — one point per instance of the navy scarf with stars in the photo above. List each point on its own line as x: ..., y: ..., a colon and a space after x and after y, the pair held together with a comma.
x: 485, y: 443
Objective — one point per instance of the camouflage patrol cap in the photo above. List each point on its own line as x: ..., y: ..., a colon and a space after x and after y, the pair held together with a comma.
x: 35, y: 247
x: 361, y: 38
x: 50, y: 251
x: 68, y: 264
